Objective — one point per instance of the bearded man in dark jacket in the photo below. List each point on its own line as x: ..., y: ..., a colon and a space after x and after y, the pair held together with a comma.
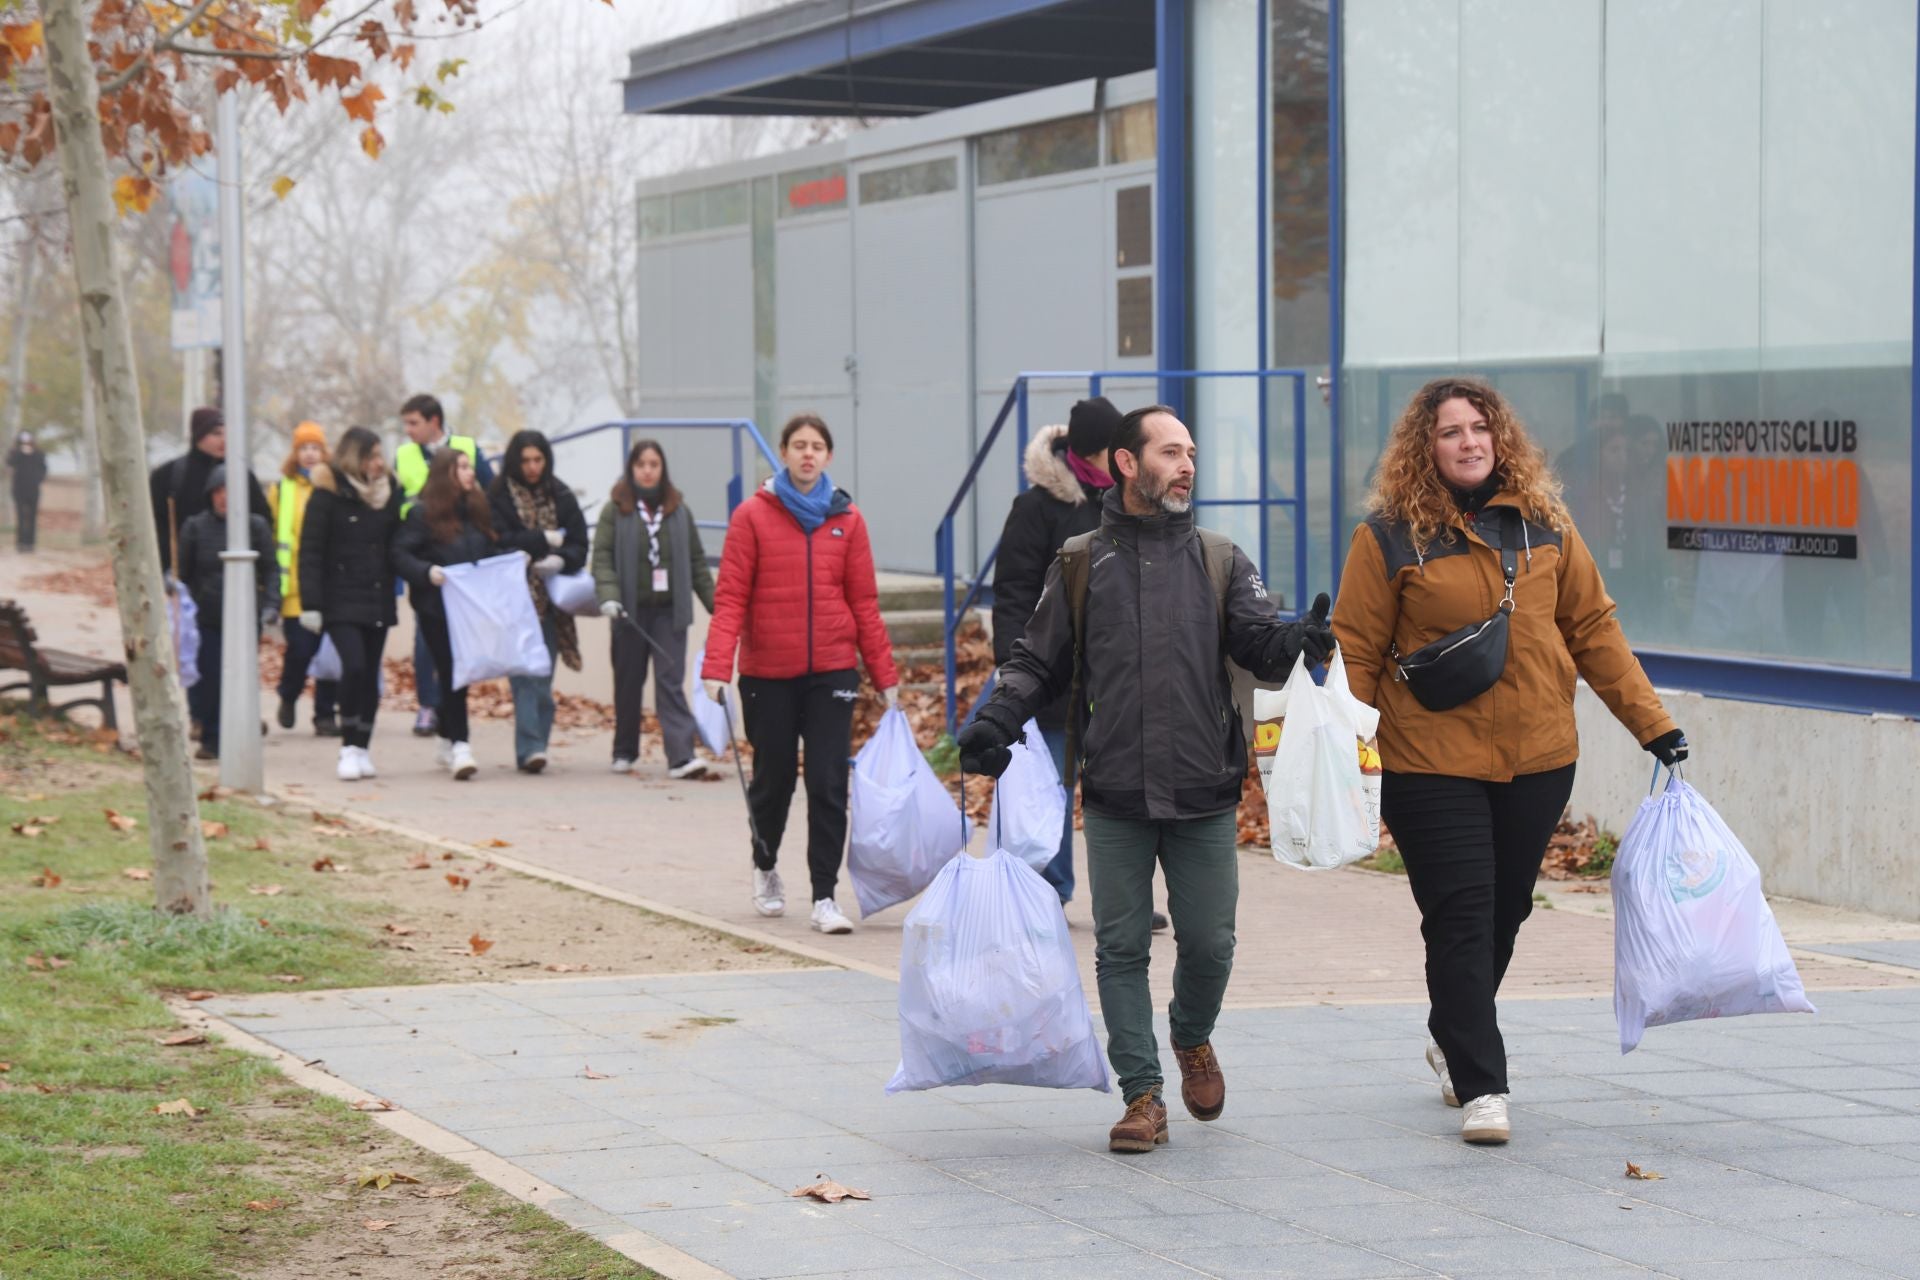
x: 1162, y: 756
x: 179, y: 488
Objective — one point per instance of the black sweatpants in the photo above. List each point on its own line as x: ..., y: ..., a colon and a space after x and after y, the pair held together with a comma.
x: 452, y: 707
x: 26, y: 520
x: 1473, y: 851
x: 360, y: 647
x: 203, y: 700
x: 780, y: 715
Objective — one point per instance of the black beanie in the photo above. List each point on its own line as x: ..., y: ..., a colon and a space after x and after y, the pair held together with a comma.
x: 1091, y: 426
x: 204, y: 422
x: 216, y: 480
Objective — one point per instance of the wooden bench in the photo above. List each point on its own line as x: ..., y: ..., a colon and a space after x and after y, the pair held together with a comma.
x: 52, y: 668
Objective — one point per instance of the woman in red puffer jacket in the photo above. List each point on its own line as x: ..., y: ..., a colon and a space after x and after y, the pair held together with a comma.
x: 797, y: 595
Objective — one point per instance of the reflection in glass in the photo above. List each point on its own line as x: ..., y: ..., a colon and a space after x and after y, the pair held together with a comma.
x: 816, y: 190
x: 1055, y: 146
x: 1133, y: 133
x: 929, y: 177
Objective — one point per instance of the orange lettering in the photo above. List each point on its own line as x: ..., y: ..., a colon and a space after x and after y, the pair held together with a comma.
x: 1676, y: 490
x: 1823, y: 498
x: 1780, y: 492
x: 1847, y: 480
x: 1717, y: 490
x: 1802, y: 496
x: 1696, y: 489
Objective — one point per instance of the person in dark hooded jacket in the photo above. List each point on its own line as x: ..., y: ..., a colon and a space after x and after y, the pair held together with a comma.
x: 29, y: 471
x: 527, y: 497
x: 1067, y: 469
x: 450, y: 524
x: 179, y: 488
x: 203, y: 576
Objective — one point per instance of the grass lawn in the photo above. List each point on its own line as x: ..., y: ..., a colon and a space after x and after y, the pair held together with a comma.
x: 93, y: 1181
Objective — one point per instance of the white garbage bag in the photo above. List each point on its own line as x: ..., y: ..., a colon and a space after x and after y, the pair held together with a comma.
x: 492, y: 622
x: 1321, y: 810
x: 1029, y: 804
x: 710, y: 719
x: 326, y: 662
x: 1693, y: 936
x: 989, y: 987
x: 1366, y: 728
x: 574, y: 593
x: 185, y: 616
x: 905, y: 826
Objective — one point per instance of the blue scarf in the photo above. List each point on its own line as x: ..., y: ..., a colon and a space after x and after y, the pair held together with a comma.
x: 810, y: 509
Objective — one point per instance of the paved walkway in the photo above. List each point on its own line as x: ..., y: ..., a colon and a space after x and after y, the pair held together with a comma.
x: 1787, y: 1146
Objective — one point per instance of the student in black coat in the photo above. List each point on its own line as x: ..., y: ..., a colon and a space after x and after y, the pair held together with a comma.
x: 346, y: 580
x: 29, y: 468
x: 450, y: 524
x: 204, y: 577
x: 179, y: 488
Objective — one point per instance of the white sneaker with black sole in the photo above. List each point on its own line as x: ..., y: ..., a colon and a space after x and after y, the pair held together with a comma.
x: 1438, y: 1061
x: 1485, y: 1120
x: 443, y: 752
x: 828, y: 918
x: 694, y: 768
x: 622, y: 765
x: 461, y: 762
x: 769, y: 895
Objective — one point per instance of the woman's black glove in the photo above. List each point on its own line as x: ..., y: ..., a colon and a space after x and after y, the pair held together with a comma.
x: 1669, y: 748
x: 1310, y: 636
x: 983, y: 748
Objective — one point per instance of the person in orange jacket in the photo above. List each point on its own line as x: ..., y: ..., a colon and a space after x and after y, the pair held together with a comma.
x: 1472, y: 792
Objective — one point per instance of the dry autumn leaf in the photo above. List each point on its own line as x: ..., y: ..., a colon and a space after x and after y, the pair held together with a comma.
x: 374, y: 1104
x: 324, y: 863
x: 28, y: 829
x: 262, y: 845
x: 441, y: 1193
x: 211, y: 830
x: 397, y: 930
x: 591, y: 1074
x: 376, y: 1224
x: 178, y: 1107
x: 447, y: 856
x: 215, y: 792
x: 45, y: 963
x: 137, y: 873
x: 266, y: 1206
x: 120, y: 821
x: 381, y: 1179
x: 283, y: 187
x: 489, y: 866
x: 563, y: 967
x: 5, y: 1067
x: 47, y: 879
x: 419, y: 862
x: 200, y: 995
x: 495, y: 843
x: 828, y: 1191
x: 458, y: 881
x: 1643, y: 1175
x: 288, y: 978
x: 265, y: 890
x: 480, y: 945
x: 179, y: 1038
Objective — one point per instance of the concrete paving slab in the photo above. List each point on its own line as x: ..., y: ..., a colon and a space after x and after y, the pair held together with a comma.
x: 1904, y: 952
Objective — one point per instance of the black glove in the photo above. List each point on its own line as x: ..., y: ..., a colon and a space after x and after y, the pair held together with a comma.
x: 1310, y: 636
x: 983, y: 748
x: 1669, y: 748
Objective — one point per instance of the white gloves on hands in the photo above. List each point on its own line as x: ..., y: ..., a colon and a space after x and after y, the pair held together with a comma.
x: 716, y: 689
x: 436, y: 575
x: 555, y: 537
x: 612, y: 609
x: 892, y: 696
x: 311, y: 621
x: 547, y: 566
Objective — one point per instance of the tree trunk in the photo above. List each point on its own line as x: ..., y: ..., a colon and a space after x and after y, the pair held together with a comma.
x: 93, y: 522
x: 173, y: 815
x: 17, y: 350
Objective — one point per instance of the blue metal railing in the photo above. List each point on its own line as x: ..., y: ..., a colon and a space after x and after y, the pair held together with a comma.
x: 735, y: 427
x: 1016, y: 409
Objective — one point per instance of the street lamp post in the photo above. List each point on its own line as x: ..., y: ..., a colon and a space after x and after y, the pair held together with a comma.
x: 240, y: 762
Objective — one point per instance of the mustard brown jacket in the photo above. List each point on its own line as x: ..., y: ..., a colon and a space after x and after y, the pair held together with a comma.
x: 1563, y: 624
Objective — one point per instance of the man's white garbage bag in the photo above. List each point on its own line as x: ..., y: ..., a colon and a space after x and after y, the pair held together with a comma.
x: 492, y: 622
x: 574, y: 593
x: 716, y: 724
x: 989, y: 986
x: 904, y: 825
x: 1323, y: 783
x: 1693, y: 936
x: 1029, y: 804
x: 185, y: 616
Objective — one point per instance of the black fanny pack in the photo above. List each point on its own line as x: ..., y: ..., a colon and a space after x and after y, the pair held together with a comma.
x: 1459, y: 667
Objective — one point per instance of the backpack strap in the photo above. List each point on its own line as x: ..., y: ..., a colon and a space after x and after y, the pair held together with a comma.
x: 1076, y: 561
x: 1218, y: 549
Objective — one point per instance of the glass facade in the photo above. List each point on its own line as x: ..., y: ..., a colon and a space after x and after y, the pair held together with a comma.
x: 822, y: 189
x: 1036, y: 150
x: 927, y: 178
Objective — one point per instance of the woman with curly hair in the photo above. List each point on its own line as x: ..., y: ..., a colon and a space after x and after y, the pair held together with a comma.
x: 1468, y: 605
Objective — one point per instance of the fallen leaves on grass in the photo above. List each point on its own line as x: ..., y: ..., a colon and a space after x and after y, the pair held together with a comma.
x: 265, y: 890
x: 374, y: 1104
x: 289, y: 978
x: 137, y: 873
x: 827, y: 1191
x: 262, y: 845
x: 211, y: 830
x: 34, y: 826
x: 397, y: 930
x: 458, y: 881
x: 591, y: 1074
x: 563, y: 967
x: 215, y: 792
x: 419, y: 862
x: 200, y: 995
x: 495, y: 843
x: 178, y: 1107
x: 480, y: 945
x: 120, y: 821
x: 441, y: 1193
x: 47, y: 879
x: 381, y: 1179
x: 46, y: 963
x: 180, y: 1038
x: 1643, y: 1175
x: 266, y: 1206
x: 325, y: 863
x: 376, y: 1224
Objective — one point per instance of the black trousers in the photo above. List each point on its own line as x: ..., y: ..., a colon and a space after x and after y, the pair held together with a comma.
x: 780, y: 716
x: 360, y: 647
x: 302, y: 647
x: 203, y: 699
x: 452, y: 706
x: 1473, y: 851
x: 26, y: 520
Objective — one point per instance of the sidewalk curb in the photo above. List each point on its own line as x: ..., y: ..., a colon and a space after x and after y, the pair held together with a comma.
x: 538, y: 872
x: 616, y: 1233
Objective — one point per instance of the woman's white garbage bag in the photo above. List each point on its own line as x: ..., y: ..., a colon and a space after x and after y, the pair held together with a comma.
x: 904, y: 825
x: 1321, y: 770
x: 710, y: 718
x: 574, y: 593
x: 492, y: 622
x: 989, y: 986
x: 185, y: 616
x: 1029, y: 804
x: 326, y: 661
x: 1693, y: 936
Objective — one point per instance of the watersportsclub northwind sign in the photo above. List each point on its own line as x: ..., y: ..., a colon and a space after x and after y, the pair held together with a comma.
x: 1777, y: 488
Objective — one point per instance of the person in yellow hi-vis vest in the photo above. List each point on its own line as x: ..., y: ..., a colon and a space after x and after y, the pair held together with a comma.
x: 426, y: 426
x: 287, y: 501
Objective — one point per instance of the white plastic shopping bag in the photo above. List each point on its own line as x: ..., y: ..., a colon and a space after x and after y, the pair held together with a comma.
x: 1029, y: 804
x: 326, y: 662
x: 186, y: 635
x: 904, y: 825
x: 989, y: 986
x: 710, y: 719
x: 574, y: 593
x: 1318, y: 801
x: 492, y: 622
x: 1366, y: 728
x: 1693, y: 936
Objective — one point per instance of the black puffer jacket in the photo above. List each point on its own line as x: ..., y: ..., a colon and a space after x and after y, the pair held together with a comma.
x: 1162, y: 738
x: 184, y: 480
x: 416, y: 551
x: 204, y: 576
x: 346, y: 572
x: 1057, y: 507
x: 506, y: 519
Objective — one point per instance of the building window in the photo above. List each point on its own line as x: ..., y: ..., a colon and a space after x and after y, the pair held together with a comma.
x: 709, y: 208
x: 656, y: 216
x: 1133, y: 133
x: 1134, y: 307
x: 1057, y: 146
x: 818, y: 190
x: 929, y: 177
x: 1133, y: 227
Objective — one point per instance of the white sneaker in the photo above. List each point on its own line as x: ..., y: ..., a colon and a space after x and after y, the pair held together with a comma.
x: 769, y: 895
x: 622, y: 765
x: 1438, y: 1061
x: 827, y: 917
x: 366, y: 763
x: 1485, y: 1120
x: 349, y: 767
x: 534, y: 763
x: 694, y: 768
x: 460, y: 760
x: 443, y: 752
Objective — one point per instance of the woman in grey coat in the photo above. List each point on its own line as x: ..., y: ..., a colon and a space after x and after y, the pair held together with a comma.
x: 648, y: 565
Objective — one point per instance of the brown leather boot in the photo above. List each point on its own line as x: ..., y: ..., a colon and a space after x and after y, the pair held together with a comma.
x: 1143, y: 1127
x: 1202, y: 1087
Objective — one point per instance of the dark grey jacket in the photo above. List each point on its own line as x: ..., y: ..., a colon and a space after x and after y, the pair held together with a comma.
x: 1162, y: 738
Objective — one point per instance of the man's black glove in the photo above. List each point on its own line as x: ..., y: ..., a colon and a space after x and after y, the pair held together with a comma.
x: 983, y: 748
x: 1310, y: 636
x: 1669, y: 748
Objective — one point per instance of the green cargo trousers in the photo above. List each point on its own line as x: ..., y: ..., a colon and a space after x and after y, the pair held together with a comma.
x: 1203, y: 889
